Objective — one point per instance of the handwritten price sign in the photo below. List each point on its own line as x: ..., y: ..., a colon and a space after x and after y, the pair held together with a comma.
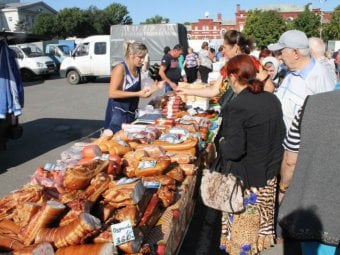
x: 122, y: 232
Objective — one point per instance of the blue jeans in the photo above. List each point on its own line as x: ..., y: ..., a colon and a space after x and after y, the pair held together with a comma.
x: 167, y: 88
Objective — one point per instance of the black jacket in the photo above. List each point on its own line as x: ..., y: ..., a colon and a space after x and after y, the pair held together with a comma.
x: 252, y: 131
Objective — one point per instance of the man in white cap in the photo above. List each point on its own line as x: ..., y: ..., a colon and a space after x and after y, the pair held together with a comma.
x: 305, y: 77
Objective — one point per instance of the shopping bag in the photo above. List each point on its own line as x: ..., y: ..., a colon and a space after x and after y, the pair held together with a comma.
x: 221, y: 191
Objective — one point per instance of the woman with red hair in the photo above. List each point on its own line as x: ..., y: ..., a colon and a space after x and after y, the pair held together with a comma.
x: 252, y: 132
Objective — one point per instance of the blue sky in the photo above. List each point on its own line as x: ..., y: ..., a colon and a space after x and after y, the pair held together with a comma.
x: 185, y: 10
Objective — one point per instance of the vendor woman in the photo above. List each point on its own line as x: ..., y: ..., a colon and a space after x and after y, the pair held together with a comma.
x: 234, y: 43
x: 125, y: 87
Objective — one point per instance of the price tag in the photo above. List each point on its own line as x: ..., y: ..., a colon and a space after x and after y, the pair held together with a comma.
x: 122, y: 232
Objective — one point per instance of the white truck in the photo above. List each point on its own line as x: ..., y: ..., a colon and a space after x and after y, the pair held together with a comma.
x: 96, y: 55
x: 32, y: 61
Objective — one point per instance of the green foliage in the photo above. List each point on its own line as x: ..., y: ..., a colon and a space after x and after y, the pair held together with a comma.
x: 82, y: 23
x: 73, y: 22
x: 44, y: 24
x: 117, y: 14
x: 331, y: 30
x: 156, y: 20
x: 264, y: 27
x: 308, y: 22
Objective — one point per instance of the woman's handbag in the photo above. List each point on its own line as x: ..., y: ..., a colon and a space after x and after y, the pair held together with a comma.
x: 221, y: 191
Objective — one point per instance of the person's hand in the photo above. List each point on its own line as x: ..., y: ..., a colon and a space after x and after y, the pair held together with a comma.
x: 262, y: 74
x: 173, y: 85
x: 160, y: 84
x: 181, y: 91
x: 145, y: 92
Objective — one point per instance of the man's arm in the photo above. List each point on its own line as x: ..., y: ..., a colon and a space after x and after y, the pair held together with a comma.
x: 292, y: 146
x: 162, y: 74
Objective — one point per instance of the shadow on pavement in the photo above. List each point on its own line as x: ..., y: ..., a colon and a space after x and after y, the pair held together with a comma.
x: 203, y: 235
x: 43, y: 135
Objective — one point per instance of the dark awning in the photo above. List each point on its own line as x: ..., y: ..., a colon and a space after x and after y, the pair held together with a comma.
x: 16, y: 38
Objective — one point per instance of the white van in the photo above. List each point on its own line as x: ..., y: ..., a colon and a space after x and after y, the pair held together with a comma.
x: 95, y: 55
x: 32, y: 61
x: 91, y: 58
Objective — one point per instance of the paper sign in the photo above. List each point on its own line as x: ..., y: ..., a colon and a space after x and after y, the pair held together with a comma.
x: 122, y: 232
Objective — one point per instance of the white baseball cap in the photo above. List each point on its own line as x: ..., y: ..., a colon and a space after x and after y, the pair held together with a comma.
x: 293, y: 39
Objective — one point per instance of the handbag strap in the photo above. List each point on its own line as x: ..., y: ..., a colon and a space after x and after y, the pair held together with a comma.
x: 217, y: 164
x: 228, y: 171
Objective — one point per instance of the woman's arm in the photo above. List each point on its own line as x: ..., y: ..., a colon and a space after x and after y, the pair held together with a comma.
x: 116, y: 83
x: 157, y: 85
x: 210, y: 91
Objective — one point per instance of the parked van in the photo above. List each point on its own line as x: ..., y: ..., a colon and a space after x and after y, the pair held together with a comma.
x: 91, y: 58
x: 96, y: 55
x: 32, y: 61
x: 57, y: 52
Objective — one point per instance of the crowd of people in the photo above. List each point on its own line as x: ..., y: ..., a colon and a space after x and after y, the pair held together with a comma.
x: 282, y: 146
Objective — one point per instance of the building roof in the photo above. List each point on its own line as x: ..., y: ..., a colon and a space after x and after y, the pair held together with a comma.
x: 228, y: 22
x: 280, y: 7
x: 28, y: 5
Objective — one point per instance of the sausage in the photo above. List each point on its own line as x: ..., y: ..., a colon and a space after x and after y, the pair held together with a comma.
x: 10, y: 226
x: 165, y: 122
x: 161, y: 165
x: 152, y: 213
x: 191, y: 151
x: 9, y: 243
x: 188, y: 169
x: 106, y: 135
x: 45, y: 216
x: 182, y: 158
x: 189, y: 143
x: 176, y: 173
x: 162, y: 179
x: 72, y: 234
x: 91, y: 249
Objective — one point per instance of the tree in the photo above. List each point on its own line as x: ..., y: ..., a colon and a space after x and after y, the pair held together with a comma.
x: 331, y: 30
x: 264, y: 27
x: 156, y: 20
x: 308, y: 22
x: 82, y: 23
x: 118, y: 14
x: 97, y: 19
x: 44, y: 24
x: 73, y: 22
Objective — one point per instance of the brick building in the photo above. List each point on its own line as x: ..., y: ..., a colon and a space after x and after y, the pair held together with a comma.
x: 209, y: 29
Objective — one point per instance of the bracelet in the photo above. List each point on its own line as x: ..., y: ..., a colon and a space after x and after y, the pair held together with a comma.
x: 282, y: 187
x: 266, y: 79
x: 282, y: 191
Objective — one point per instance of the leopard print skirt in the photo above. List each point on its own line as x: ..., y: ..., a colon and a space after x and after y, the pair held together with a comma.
x: 252, y: 230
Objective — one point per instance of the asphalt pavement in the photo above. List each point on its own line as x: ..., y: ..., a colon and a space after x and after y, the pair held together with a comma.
x: 55, y: 116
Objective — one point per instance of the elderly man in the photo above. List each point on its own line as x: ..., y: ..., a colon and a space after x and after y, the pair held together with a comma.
x: 317, y: 49
x: 306, y: 76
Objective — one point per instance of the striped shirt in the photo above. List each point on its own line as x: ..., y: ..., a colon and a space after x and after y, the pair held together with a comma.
x: 292, y: 139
